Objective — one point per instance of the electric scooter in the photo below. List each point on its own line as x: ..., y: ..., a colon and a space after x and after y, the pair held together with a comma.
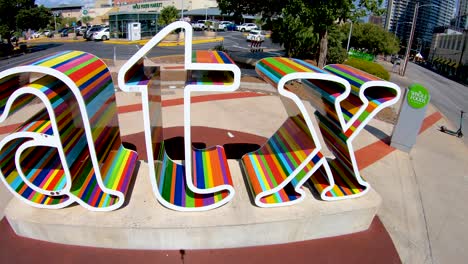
x: 457, y: 133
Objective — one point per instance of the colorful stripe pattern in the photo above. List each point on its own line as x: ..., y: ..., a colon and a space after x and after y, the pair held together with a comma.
x: 210, y: 170
x: 95, y: 87
x: 342, y: 166
x: 376, y: 95
x: 136, y: 75
x: 273, y: 69
x: 274, y: 163
x: 326, y: 96
x: 203, y: 182
x: 9, y: 85
x: 16, y: 183
x: 210, y: 56
x: 210, y: 77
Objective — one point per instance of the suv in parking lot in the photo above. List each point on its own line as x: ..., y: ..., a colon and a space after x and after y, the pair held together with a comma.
x: 246, y: 27
x: 199, y: 25
x: 256, y: 34
x: 102, y: 34
x: 89, y: 34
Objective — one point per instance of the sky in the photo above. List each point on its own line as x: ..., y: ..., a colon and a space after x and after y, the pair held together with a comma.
x: 49, y: 3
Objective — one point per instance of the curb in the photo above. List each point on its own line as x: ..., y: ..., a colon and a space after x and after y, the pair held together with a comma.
x: 48, y: 40
x: 124, y: 42
x: 165, y: 44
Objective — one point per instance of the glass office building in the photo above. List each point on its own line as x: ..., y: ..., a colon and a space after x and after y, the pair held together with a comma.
x: 431, y: 13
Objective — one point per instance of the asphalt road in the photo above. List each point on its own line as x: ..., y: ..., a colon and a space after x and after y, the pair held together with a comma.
x: 233, y: 41
x: 448, y: 96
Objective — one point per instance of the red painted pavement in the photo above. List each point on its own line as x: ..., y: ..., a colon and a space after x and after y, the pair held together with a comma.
x: 368, y: 247
x: 194, y: 99
x: 372, y: 153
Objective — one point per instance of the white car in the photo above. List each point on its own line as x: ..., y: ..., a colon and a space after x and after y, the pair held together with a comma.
x: 246, y: 27
x: 37, y: 34
x: 102, y: 34
x: 254, y: 34
x: 222, y: 25
x: 199, y: 25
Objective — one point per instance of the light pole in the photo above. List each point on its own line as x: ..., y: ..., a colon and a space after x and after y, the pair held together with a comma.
x: 410, y: 41
x: 182, y: 13
x: 349, y: 35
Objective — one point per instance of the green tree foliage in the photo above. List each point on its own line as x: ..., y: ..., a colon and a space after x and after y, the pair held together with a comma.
x: 268, y: 8
x: 295, y: 31
x: 86, y: 19
x: 316, y: 16
x: 168, y: 15
x: 337, y: 40
x: 8, y: 11
x: 33, y: 18
x: 372, y: 38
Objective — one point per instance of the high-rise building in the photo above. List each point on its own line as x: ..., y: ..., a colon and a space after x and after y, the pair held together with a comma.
x: 461, y: 19
x: 431, y: 13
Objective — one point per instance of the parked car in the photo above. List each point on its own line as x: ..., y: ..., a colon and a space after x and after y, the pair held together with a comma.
x: 80, y: 30
x: 49, y: 33
x: 83, y: 30
x: 199, y: 25
x: 37, y: 34
x: 223, y: 25
x: 90, y: 33
x: 246, y: 27
x: 103, y: 34
x: 62, y: 29
x: 230, y: 26
x: 64, y: 33
x: 255, y: 34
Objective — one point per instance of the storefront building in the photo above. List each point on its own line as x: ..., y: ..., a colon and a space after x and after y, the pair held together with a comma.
x: 118, y: 23
x: 449, y: 54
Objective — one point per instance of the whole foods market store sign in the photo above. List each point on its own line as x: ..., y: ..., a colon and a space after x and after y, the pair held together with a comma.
x: 145, y: 7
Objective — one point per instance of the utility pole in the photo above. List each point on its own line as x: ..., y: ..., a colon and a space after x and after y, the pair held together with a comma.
x: 349, y: 35
x: 410, y: 41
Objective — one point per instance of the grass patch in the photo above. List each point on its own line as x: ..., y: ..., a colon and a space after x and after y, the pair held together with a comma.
x: 369, y: 67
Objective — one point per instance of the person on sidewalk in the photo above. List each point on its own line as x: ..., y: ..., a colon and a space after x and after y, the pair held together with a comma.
x: 396, y: 65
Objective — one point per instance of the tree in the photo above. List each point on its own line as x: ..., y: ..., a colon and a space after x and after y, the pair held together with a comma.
x: 34, y: 18
x: 372, y: 38
x: 295, y: 31
x: 268, y: 8
x: 9, y: 9
x: 337, y: 41
x: 168, y: 15
x: 86, y: 19
x: 306, y: 17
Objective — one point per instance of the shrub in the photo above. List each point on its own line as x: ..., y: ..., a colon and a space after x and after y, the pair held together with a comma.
x: 336, y: 55
x: 369, y: 67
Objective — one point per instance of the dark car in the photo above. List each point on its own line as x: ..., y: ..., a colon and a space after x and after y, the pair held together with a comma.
x: 5, y: 48
x: 231, y: 27
x: 64, y: 33
x: 89, y: 34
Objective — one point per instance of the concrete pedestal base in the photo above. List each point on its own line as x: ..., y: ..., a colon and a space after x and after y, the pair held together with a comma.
x: 144, y: 224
